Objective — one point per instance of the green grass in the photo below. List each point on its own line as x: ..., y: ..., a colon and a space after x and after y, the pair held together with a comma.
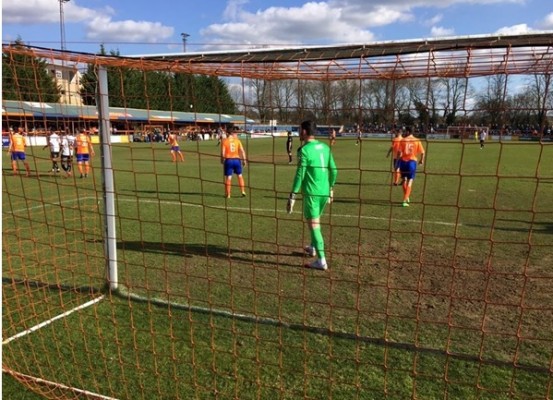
x: 449, y: 298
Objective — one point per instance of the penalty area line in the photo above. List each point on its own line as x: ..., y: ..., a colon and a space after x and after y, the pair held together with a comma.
x: 366, y: 217
x: 43, y: 205
x: 48, y: 322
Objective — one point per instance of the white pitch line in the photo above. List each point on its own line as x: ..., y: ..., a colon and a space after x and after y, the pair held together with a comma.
x: 171, y: 202
x: 59, y: 203
x: 87, y: 393
x: 48, y: 322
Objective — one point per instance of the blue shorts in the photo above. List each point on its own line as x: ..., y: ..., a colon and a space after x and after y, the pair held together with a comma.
x: 396, y: 163
x: 175, y: 148
x: 408, y: 169
x: 18, y: 155
x: 232, y: 165
x: 83, y: 157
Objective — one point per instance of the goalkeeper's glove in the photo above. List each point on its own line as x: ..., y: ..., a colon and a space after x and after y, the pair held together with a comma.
x: 291, y: 202
x: 331, y: 196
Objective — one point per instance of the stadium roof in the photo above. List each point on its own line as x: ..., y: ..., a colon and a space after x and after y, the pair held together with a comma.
x: 29, y: 109
x: 365, y: 50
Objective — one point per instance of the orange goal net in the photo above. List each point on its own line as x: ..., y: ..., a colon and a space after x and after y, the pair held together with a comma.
x: 130, y: 272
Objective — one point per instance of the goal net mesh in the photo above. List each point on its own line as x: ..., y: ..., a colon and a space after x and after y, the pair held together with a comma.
x: 450, y: 297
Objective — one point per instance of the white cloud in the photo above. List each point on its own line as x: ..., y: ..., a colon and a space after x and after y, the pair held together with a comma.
x: 104, y: 29
x: 99, y: 24
x: 234, y: 9
x: 46, y: 11
x: 437, y: 31
x: 547, y: 22
x: 514, y: 30
x: 434, y: 20
x: 310, y: 23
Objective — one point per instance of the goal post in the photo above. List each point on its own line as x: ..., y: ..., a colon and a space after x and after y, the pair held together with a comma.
x: 109, y: 190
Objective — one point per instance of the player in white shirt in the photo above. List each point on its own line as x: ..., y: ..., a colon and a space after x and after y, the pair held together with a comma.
x: 67, y: 145
x: 54, y: 143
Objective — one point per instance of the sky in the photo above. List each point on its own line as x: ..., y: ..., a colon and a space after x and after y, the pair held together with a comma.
x: 135, y: 27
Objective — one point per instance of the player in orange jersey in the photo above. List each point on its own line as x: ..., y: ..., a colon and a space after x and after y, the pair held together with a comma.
x: 410, y: 150
x: 173, y: 139
x: 17, y: 150
x: 394, y: 150
x: 233, y: 158
x: 84, y: 152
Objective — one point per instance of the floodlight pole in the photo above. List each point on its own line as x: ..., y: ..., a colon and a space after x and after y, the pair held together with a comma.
x: 184, y: 38
x: 62, y: 24
x: 110, y: 233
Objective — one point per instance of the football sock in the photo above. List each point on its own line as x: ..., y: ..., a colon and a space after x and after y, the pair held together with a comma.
x: 407, y: 193
x: 318, y: 242
x: 227, y: 187
x: 241, y: 183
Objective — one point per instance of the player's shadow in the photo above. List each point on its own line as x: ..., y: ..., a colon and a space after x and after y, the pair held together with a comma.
x: 34, y: 174
x: 374, y: 202
x: 540, y: 227
x: 156, y: 161
x: 200, y: 250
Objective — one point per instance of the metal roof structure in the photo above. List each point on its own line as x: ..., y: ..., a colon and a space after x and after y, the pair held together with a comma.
x: 359, y: 50
x: 464, y: 56
x: 37, y: 110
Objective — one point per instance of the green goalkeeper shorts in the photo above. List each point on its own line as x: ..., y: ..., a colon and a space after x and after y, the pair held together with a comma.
x: 313, y: 206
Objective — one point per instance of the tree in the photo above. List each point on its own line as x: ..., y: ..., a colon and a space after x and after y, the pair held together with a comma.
x: 26, y: 78
x: 159, y: 90
x: 211, y: 95
x: 454, y: 92
x: 541, y: 89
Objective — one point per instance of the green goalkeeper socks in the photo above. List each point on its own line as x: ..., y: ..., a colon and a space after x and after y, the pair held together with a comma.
x: 318, y: 242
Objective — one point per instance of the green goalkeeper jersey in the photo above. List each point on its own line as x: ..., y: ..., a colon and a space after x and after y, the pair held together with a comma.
x: 316, y: 173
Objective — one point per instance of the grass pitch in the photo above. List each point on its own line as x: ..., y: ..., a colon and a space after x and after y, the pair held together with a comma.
x: 449, y: 298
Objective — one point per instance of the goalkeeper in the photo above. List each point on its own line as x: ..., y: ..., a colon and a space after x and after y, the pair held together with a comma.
x: 315, y: 177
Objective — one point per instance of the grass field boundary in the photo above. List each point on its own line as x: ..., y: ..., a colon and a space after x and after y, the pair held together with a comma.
x: 325, y: 332
x: 87, y: 393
